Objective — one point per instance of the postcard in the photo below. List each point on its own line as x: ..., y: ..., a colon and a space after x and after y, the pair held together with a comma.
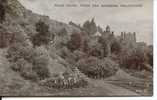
x: 76, y: 48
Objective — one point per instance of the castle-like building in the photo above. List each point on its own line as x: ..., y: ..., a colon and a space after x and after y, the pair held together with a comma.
x: 108, y: 30
x: 125, y: 37
x: 128, y: 37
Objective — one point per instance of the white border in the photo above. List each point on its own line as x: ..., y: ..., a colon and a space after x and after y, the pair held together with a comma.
x: 115, y: 98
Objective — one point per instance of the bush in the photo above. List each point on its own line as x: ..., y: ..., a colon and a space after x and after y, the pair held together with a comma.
x: 65, y: 81
x: 40, y: 66
x: 79, y: 55
x: 25, y: 69
x: 19, y: 65
x: 17, y: 51
x: 28, y: 73
x: 29, y: 62
x: 96, y: 51
x: 96, y: 68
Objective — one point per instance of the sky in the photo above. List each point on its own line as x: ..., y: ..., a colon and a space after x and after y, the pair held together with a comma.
x: 128, y: 19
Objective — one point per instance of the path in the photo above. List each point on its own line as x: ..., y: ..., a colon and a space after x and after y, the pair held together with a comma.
x: 112, y: 90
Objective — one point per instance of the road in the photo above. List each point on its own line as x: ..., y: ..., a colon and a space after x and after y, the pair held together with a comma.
x: 112, y: 90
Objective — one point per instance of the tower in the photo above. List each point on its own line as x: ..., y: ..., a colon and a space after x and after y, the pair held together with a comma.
x: 108, y: 29
x: 122, y: 35
x: 134, y: 36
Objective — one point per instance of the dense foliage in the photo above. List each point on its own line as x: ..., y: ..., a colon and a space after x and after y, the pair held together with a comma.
x: 3, y: 6
x: 26, y: 60
x: 75, y: 42
x: 96, y: 68
x: 90, y: 27
x: 43, y: 37
x: 136, y: 58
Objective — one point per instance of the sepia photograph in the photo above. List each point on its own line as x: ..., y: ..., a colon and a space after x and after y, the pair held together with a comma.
x: 76, y: 48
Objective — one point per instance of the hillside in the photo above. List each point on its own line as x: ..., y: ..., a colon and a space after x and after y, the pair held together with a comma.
x: 20, y: 19
x: 21, y: 22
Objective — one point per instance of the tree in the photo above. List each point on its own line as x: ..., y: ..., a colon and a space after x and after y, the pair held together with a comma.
x: 134, y: 59
x: 150, y: 55
x: 90, y: 27
x: 97, y: 50
x: 75, y: 42
x: 43, y: 37
x: 100, y: 29
x: 93, y: 27
x: 2, y: 10
x: 115, y: 47
x: 62, y: 38
x: 86, y: 26
x: 150, y: 58
x: 105, y: 45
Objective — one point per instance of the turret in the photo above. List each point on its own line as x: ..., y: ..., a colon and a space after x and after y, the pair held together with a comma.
x: 122, y: 35
x: 134, y: 36
x: 108, y: 29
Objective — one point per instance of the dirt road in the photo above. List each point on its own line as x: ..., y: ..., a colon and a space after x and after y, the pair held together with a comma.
x: 95, y: 88
x: 112, y: 90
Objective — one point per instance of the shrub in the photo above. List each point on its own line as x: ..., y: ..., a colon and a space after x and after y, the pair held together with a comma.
x: 18, y: 50
x: 20, y: 38
x: 96, y: 68
x: 28, y: 73
x: 65, y: 81
x: 40, y: 66
x: 79, y: 54
x: 96, y: 50
x: 25, y: 69
x: 19, y: 65
x: 29, y: 62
